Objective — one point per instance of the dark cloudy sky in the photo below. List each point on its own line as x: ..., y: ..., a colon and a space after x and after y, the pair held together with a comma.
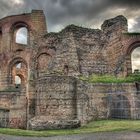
x: 87, y: 13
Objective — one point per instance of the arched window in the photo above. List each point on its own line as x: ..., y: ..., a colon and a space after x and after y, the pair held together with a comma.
x: 22, y: 36
x: 43, y: 62
x: 135, y: 60
x: 18, y: 65
x: 17, y: 72
x: 17, y: 80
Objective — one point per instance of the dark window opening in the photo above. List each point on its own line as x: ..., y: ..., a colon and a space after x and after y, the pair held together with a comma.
x: 66, y: 69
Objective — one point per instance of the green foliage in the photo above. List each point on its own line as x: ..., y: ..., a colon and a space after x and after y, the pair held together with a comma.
x: 95, y: 126
x: 10, y: 89
x: 135, y: 77
x: 132, y: 33
x: 110, y: 79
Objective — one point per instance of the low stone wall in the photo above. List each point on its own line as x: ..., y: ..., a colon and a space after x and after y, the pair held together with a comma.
x: 103, y: 101
x: 12, y: 109
x: 65, y: 102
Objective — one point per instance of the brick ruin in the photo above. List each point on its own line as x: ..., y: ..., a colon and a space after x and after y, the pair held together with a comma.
x: 49, y: 94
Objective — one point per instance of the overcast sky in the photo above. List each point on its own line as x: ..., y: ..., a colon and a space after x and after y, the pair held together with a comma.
x: 87, y: 13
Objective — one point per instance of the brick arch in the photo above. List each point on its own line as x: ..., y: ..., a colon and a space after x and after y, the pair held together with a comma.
x: 15, y: 27
x: 120, y: 107
x: 41, y: 51
x: 129, y: 42
x: 43, y: 60
x: 132, y: 46
x: 49, y: 51
x: 19, y: 24
x: 44, y: 49
x: 129, y: 49
x: 16, y: 60
x: 13, y: 72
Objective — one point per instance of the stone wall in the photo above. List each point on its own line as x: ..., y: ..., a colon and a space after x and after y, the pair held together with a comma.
x: 102, y: 101
x: 50, y: 94
x: 66, y: 102
x: 89, y: 51
x: 113, y: 30
x: 55, y: 103
x: 56, y: 97
x: 13, y: 107
x: 60, y: 99
x: 82, y: 50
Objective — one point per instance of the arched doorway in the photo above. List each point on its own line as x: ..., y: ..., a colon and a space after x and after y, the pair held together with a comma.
x: 132, y: 58
x: 120, y: 107
x: 135, y: 60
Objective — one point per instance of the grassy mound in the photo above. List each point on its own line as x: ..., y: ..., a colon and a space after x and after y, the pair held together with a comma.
x: 95, y: 126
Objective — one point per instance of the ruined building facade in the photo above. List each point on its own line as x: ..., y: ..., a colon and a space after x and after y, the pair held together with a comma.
x: 49, y: 94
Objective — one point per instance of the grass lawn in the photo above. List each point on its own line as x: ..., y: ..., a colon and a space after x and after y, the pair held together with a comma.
x: 93, y: 127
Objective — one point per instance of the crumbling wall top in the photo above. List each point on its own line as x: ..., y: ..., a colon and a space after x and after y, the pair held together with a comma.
x: 119, y: 20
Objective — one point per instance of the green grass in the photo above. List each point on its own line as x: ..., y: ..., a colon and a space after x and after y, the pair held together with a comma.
x: 111, y: 79
x: 93, y: 127
x: 132, y: 33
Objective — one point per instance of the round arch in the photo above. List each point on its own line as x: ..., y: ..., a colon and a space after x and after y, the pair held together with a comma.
x: 43, y: 50
x: 13, y: 71
x: 42, y: 60
x: 17, y: 60
x: 18, y: 25
x: 128, y: 58
x: 120, y: 107
x: 17, y: 30
x: 132, y: 46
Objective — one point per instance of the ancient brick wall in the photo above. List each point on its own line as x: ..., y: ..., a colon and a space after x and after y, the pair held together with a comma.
x: 77, y: 51
x: 113, y: 30
x: 15, y: 60
x: 130, y: 42
x: 10, y: 50
x: 62, y: 49
x: 56, y: 97
x: 90, y: 45
x: 63, y: 99
x: 13, y: 109
x: 50, y: 94
x: 55, y: 104
x: 103, y: 101
x: 88, y: 51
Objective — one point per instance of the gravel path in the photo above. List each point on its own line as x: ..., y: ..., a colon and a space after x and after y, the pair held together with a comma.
x: 94, y: 136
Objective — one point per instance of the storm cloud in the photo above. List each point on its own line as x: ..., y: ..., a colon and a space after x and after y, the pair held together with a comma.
x: 88, y: 13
